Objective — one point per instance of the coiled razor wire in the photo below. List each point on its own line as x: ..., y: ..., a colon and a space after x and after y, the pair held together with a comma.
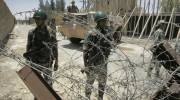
x: 24, y: 62
x: 11, y: 54
x: 126, y: 87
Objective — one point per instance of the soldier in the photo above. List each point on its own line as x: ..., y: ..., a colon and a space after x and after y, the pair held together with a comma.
x: 73, y: 8
x: 158, y: 37
x: 96, y: 49
x: 53, y: 24
x: 38, y: 49
x: 117, y: 27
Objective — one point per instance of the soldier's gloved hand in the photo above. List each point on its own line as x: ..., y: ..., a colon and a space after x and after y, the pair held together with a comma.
x: 55, y: 67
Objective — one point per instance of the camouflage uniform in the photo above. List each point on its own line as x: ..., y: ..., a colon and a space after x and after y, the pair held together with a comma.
x: 73, y: 9
x: 158, y: 37
x: 39, y: 53
x: 52, y: 24
x: 96, y: 51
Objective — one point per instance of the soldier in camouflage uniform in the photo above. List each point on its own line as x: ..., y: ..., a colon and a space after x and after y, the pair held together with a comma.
x: 53, y: 24
x: 158, y: 37
x: 96, y: 49
x: 73, y: 8
x: 38, y: 49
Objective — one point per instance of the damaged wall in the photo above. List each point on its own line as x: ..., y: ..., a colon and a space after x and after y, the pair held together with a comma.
x: 7, y: 21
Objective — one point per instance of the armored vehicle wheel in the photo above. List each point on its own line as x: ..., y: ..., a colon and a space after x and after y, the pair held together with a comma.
x: 75, y: 40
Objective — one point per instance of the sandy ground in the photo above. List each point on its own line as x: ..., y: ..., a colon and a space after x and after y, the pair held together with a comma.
x: 12, y: 88
x: 71, y: 81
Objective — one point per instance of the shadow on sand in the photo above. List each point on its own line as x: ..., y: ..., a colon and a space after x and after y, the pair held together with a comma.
x: 74, y: 46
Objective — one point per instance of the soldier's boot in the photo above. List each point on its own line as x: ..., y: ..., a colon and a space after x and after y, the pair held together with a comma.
x: 101, y: 91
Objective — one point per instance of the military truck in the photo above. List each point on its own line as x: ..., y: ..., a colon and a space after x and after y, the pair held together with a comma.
x: 75, y: 25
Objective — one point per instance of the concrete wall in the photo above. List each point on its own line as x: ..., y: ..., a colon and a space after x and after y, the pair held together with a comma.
x: 7, y: 21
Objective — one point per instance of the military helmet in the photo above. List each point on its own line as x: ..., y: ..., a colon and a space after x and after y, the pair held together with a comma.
x: 40, y: 14
x: 100, y: 16
x: 72, y: 1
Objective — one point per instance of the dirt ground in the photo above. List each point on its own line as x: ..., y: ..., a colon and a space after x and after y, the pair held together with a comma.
x: 71, y: 81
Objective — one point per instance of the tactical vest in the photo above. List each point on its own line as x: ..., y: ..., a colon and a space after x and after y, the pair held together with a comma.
x: 102, y: 47
x: 42, y: 53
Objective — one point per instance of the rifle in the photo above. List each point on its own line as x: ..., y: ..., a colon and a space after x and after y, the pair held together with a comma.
x: 29, y: 54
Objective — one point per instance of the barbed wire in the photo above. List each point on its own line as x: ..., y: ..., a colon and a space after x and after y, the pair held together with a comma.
x: 125, y: 86
x: 19, y: 59
x: 30, y: 64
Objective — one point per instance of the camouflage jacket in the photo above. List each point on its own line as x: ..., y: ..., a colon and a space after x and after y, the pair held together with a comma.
x: 97, y: 46
x: 37, y: 47
x: 73, y: 9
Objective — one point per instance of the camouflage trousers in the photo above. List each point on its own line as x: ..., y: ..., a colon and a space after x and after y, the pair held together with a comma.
x: 96, y: 72
x: 155, y: 64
